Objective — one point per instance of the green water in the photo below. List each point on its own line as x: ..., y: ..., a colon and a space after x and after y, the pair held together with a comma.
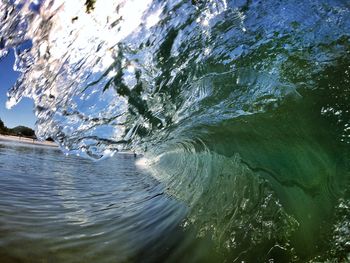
x: 238, y: 110
x: 271, y: 183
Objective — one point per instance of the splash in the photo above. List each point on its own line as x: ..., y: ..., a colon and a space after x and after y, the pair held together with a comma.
x: 239, y: 96
x: 113, y: 74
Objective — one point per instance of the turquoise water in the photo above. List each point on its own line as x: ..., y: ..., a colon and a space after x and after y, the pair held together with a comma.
x: 238, y: 110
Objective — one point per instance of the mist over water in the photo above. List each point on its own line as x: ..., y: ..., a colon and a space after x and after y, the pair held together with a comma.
x: 239, y: 108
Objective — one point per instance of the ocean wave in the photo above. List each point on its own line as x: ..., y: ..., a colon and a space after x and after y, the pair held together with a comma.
x: 239, y: 107
x: 111, y: 76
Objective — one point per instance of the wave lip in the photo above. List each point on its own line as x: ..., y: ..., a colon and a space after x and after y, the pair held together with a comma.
x: 117, y: 74
x: 239, y: 107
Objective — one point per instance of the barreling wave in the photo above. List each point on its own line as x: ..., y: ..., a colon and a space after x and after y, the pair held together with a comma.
x: 240, y: 106
x: 108, y: 75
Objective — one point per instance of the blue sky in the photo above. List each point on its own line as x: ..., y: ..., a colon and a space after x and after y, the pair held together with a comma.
x: 22, y: 113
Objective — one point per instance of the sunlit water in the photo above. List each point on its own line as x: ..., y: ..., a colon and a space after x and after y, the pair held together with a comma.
x: 67, y: 209
x: 55, y: 208
x: 240, y: 110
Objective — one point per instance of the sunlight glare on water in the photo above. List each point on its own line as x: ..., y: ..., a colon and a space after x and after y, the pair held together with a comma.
x: 237, y: 111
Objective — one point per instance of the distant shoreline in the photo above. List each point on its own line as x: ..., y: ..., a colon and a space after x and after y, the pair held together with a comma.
x: 26, y: 140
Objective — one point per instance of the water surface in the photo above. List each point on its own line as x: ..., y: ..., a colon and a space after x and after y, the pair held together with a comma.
x: 240, y: 109
x: 55, y: 208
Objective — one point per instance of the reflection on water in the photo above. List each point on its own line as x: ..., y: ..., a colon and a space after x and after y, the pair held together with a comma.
x: 67, y: 209
x: 241, y: 109
x: 55, y: 208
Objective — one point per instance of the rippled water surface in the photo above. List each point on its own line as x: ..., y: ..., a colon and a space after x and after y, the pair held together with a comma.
x: 239, y: 109
x: 67, y: 209
x: 55, y: 208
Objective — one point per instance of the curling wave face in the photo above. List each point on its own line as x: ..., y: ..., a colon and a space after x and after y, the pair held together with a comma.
x: 110, y: 74
x: 240, y: 107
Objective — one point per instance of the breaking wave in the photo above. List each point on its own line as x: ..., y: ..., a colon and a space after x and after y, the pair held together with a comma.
x: 239, y: 107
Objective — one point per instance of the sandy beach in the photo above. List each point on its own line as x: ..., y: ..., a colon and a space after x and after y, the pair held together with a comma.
x: 24, y: 140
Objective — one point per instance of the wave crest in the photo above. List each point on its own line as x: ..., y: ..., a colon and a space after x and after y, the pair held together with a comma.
x: 114, y: 74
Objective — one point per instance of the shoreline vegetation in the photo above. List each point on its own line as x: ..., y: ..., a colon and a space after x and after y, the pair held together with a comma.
x: 26, y: 140
x: 22, y: 134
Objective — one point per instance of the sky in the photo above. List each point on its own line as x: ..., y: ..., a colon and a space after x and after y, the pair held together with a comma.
x: 22, y: 113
